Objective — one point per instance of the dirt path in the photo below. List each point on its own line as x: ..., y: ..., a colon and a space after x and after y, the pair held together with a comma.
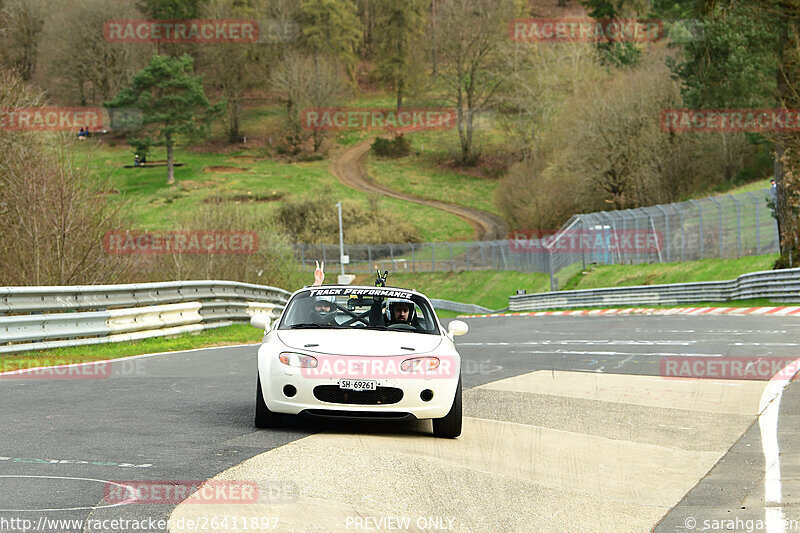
x: 349, y: 167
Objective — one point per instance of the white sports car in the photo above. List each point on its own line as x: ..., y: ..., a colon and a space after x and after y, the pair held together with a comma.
x: 360, y: 353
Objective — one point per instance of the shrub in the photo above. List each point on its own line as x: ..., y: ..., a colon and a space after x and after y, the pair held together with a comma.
x: 399, y: 146
x: 315, y: 221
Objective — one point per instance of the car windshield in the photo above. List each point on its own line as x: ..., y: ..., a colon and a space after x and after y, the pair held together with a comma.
x: 385, y: 309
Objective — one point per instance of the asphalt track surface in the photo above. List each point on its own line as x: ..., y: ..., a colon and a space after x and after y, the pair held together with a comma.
x: 592, y: 456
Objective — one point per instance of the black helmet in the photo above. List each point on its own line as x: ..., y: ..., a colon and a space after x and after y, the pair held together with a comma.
x: 324, y: 316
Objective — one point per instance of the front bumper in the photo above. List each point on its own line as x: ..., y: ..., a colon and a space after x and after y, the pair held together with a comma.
x: 275, y: 376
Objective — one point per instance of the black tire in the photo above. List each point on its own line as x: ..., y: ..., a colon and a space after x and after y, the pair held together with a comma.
x: 264, y: 417
x: 449, y: 427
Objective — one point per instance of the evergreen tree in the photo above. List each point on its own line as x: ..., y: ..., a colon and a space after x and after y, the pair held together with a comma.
x: 398, y: 61
x: 172, y: 104
x: 332, y: 27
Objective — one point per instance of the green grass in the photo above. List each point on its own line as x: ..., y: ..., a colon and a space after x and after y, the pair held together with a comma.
x: 154, y: 204
x: 754, y: 302
x: 753, y: 186
x: 229, y: 335
x: 412, y: 176
x: 655, y: 274
x: 487, y: 287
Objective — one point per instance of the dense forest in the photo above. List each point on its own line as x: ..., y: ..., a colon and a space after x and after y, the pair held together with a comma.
x: 565, y: 127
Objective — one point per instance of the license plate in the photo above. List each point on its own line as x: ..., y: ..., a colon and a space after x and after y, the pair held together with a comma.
x: 358, y: 384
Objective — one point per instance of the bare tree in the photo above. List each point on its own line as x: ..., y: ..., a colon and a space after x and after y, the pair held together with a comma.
x: 79, y: 53
x: 236, y: 67
x: 470, y: 38
x: 540, y: 77
x: 307, y: 81
x: 22, y: 22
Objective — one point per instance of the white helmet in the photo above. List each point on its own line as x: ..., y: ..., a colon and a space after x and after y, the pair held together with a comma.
x: 396, y: 302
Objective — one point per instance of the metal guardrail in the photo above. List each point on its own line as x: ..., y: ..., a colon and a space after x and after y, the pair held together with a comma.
x: 447, y: 305
x: 775, y: 285
x: 35, y: 318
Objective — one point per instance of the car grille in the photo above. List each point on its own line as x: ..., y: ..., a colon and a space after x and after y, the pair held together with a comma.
x: 381, y: 396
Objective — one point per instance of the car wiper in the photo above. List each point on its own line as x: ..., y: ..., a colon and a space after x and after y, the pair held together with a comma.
x: 310, y: 325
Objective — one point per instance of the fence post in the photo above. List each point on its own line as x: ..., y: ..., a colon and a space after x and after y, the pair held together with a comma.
x: 738, y: 226
x: 302, y: 256
x: 635, y: 232
x: 758, y: 228
x: 324, y: 254
x: 466, y: 257
x: 666, y: 230
x: 433, y: 258
x: 503, y: 254
x: 683, y: 234
x: 700, y: 229
x: 369, y: 257
x: 413, y: 260
x: 719, y: 225
x: 452, y: 266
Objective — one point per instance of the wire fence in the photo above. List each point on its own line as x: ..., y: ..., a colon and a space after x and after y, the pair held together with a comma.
x: 727, y: 226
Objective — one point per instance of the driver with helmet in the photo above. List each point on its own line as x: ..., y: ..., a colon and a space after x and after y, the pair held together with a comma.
x: 400, y: 312
x: 324, y: 311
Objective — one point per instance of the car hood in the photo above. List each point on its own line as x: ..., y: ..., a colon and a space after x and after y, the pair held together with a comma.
x: 355, y: 342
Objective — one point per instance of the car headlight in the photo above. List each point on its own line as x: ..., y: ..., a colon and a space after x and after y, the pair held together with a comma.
x: 298, y: 360
x: 420, y: 364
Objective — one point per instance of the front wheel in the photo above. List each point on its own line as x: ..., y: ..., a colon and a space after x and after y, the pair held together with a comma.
x: 449, y: 427
x: 264, y: 417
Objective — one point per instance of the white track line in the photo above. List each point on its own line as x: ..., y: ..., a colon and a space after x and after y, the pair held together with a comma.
x: 769, y: 407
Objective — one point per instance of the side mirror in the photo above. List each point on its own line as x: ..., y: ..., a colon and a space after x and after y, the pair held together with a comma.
x: 261, y: 321
x: 457, y: 327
